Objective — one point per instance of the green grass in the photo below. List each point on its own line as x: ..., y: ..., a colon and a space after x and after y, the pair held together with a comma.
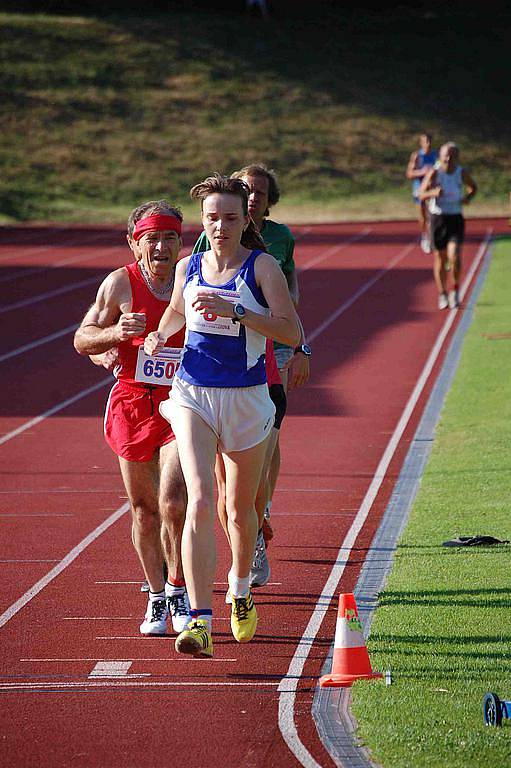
x: 101, y: 113
x: 444, y: 621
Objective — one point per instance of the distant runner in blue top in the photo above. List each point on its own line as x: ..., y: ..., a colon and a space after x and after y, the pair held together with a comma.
x: 233, y: 297
x: 420, y: 162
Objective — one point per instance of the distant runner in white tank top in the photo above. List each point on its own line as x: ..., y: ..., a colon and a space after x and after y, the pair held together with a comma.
x: 446, y: 188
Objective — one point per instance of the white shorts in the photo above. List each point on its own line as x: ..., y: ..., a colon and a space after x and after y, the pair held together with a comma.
x: 241, y: 417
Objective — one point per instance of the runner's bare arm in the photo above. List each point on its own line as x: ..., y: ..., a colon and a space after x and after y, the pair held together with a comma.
x: 427, y: 188
x: 292, y: 284
x: 173, y: 318
x: 298, y: 366
x: 470, y: 185
x: 107, y: 360
x: 412, y: 172
x: 109, y: 320
x: 283, y: 324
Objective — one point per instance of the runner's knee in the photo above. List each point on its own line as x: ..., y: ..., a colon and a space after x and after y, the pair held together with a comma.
x: 237, y: 515
x: 173, y: 507
x: 199, y: 511
x: 145, y: 516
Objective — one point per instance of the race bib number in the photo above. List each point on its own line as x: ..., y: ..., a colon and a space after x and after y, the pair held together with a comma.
x: 211, y: 323
x: 161, y: 368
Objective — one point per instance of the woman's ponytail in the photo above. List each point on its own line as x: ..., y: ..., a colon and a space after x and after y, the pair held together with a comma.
x: 251, y: 238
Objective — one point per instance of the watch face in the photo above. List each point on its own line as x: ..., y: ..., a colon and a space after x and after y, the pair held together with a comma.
x: 239, y: 310
x: 306, y: 350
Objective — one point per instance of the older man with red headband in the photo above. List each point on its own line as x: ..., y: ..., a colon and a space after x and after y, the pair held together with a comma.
x: 129, y: 304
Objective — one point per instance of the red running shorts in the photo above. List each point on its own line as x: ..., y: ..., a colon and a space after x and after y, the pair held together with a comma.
x: 134, y: 428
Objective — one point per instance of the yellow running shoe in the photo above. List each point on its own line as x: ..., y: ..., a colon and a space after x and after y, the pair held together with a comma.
x: 196, y: 640
x: 243, y: 618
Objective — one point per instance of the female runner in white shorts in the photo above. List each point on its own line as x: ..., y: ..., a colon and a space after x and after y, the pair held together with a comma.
x: 232, y: 297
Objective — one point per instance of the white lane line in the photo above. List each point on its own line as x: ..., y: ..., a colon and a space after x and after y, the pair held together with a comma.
x: 133, y: 684
x: 35, y: 514
x: 38, y: 342
x: 363, y: 289
x: 29, y: 561
x: 67, y: 560
x: 165, y: 659
x: 110, y: 668
x: 19, y: 492
x: 115, y: 669
x: 23, y: 273
x: 333, y: 250
x: 56, y: 408
x: 289, y: 684
x: 51, y: 294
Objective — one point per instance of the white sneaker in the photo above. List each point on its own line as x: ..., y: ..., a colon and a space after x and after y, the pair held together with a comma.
x: 178, y: 607
x: 443, y: 301
x: 454, y: 299
x: 425, y: 244
x: 155, y: 621
x: 228, y: 597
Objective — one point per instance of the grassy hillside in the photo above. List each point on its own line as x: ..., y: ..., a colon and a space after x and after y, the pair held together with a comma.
x: 101, y: 113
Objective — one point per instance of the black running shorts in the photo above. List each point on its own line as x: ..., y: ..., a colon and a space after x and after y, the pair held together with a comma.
x: 446, y: 228
x: 278, y: 395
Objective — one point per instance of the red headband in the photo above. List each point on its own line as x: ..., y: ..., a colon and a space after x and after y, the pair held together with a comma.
x: 156, y: 223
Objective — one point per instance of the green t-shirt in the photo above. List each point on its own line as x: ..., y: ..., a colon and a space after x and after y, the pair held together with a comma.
x: 279, y: 242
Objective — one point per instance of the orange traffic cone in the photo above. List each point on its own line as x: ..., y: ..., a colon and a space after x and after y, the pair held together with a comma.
x: 351, y: 660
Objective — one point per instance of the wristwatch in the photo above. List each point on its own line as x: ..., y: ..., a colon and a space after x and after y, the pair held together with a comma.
x: 304, y: 349
x: 239, y: 312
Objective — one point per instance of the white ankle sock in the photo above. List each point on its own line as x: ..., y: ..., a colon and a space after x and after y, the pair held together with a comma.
x: 157, y: 595
x: 171, y: 590
x: 238, y: 587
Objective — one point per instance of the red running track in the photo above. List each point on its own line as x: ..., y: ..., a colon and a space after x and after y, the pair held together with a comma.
x: 70, y: 601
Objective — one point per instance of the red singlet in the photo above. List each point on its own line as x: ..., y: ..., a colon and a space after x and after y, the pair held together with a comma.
x: 134, y: 428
